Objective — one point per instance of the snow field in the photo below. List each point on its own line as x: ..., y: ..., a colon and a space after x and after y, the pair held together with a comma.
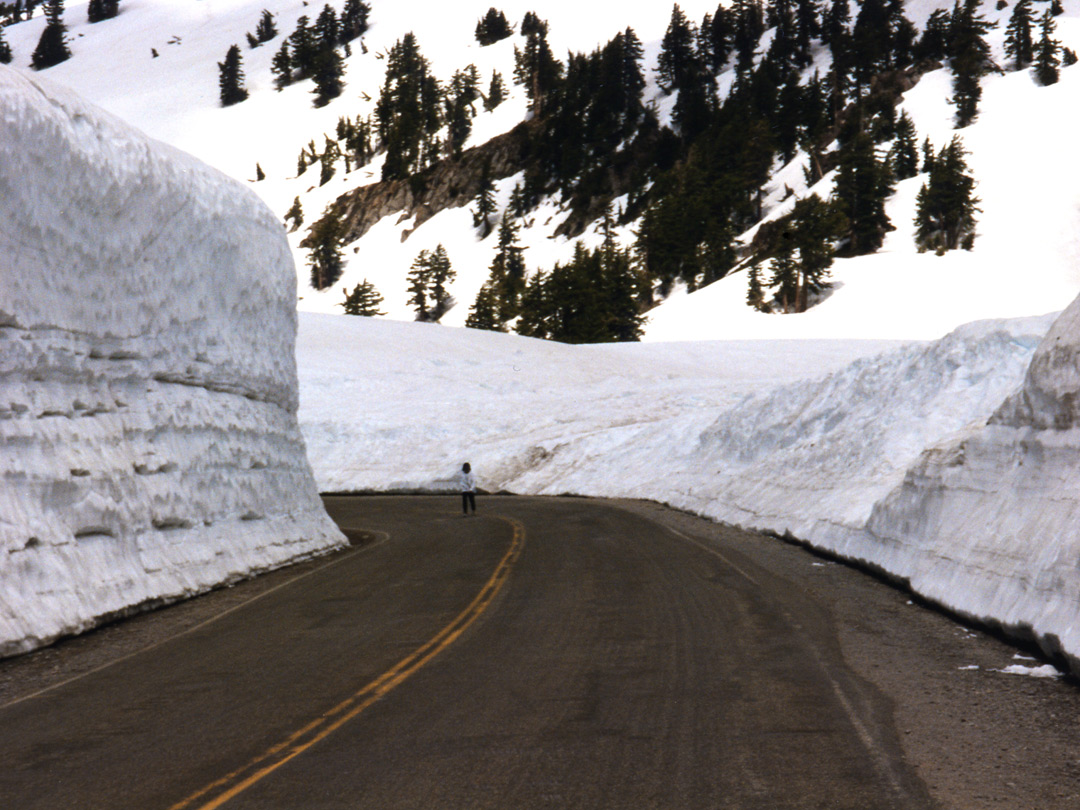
x: 147, y: 380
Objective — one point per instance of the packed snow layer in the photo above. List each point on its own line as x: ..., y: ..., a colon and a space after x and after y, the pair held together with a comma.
x: 989, y: 524
x: 148, y: 395
x: 879, y: 452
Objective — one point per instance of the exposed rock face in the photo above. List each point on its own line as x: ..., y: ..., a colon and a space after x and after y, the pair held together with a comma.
x: 149, y: 447
x: 447, y: 184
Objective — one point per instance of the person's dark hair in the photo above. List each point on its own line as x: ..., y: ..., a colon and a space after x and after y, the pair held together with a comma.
x: 465, y: 467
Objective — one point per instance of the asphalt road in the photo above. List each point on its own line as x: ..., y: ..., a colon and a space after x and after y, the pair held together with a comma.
x: 545, y: 653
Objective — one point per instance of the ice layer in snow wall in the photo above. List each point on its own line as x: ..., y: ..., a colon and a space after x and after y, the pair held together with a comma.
x: 149, y: 447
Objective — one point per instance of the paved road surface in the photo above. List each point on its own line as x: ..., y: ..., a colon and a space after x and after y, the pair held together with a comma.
x: 546, y: 653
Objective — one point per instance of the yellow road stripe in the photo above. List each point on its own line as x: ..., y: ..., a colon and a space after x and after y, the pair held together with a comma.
x: 322, y: 727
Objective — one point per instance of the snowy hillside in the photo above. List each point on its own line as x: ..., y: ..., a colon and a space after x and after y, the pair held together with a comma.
x: 148, y: 439
x: 1024, y: 262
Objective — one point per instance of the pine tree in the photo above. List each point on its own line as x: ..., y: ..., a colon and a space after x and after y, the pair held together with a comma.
x: 969, y: 57
x: 492, y: 27
x: 785, y: 276
x: 484, y: 313
x: 295, y: 214
x: 1019, y: 44
x: 508, y: 272
x: 266, y: 30
x: 363, y: 300
x: 485, y: 202
x: 353, y: 22
x: 536, y: 69
x: 409, y: 112
x: 496, y: 92
x: 327, y: 75
x: 904, y: 155
x: 862, y: 185
x: 52, y: 47
x: 677, y: 67
x: 325, y: 239
x: 303, y: 47
x: 429, y: 279
x: 946, y: 205
x: 281, y: 66
x: 1046, y: 52
x: 720, y: 31
x: 98, y: 10
x: 755, y: 293
x: 325, y: 30
x: 260, y: 175
x: 815, y: 227
x: 5, y: 50
x: 231, y: 78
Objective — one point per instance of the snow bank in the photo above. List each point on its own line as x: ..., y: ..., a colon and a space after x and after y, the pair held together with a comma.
x: 989, y: 524
x: 147, y: 379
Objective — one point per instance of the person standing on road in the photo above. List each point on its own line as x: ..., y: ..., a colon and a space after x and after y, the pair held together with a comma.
x: 468, y: 489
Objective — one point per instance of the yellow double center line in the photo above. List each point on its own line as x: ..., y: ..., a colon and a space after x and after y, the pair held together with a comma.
x: 322, y: 727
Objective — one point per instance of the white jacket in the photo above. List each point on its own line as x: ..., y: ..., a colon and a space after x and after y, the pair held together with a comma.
x: 468, y: 482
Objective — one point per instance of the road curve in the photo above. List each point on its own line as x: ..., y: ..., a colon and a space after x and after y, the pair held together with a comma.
x: 546, y: 653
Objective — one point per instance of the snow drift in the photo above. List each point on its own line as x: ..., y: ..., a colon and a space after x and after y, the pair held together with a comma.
x: 147, y: 377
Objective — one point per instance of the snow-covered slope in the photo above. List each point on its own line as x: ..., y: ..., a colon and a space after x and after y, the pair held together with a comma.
x: 148, y: 393
x: 1024, y: 262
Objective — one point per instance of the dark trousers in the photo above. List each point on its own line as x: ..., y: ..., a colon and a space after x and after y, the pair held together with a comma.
x: 468, y: 499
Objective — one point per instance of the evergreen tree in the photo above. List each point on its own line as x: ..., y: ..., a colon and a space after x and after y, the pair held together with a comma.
x: 325, y: 240
x: 904, y: 155
x: 429, y: 278
x: 871, y: 41
x: 327, y: 159
x: 492, y: 27
x: 677, y: 67
x: 508, y: 271
x: 52, y: 47
x: 862, y: 185
x: 755, y: 293
x: 1046, y: 52
x: 353, y: 22
x: 363, y: 300
x: 98, y: 10
x: 281, y: 66
x: 946, y: 205
x: 325, y: 30
x: 1068, y: 57
x: 834, y: 23
x: 1019, y: 44
x: 266, y: 30
x: 815, y: 227
x: 484, y: 313
x: 327, y: 72
x: 934, y: 42
x: 785, y: 276
x: 532, y: 24
x: 295, y: 214
x: 5, y: 49
x: 303, y: 47
x: 720, y: 32
x: 807, y: 27
x: 260, y: 175
x: 408, y: 113
x: 969, y: 56
x: 536, y: 69
x: 231, y: 78
x: 927, y: 156
x: 496, y: 92
x: 485, y: 202
x: 535, y: 308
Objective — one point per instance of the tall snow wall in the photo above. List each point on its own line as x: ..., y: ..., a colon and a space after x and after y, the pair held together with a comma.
x: 989, y: 524
x: 149, y: 447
